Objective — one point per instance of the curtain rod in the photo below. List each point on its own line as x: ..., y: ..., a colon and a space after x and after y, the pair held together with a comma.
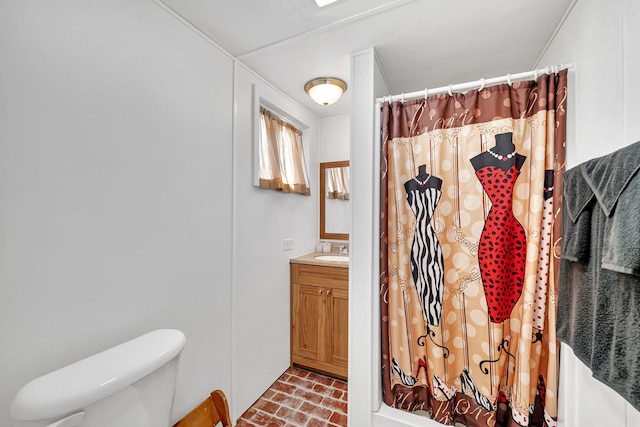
x: 479, y: 84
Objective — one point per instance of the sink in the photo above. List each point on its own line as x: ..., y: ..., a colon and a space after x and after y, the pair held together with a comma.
x: 340, y: 258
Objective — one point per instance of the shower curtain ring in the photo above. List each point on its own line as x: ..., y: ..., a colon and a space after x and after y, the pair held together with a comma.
x: 426, y: 93
x: 402, y: 97
x: 535, y: 74
x: 509, y: 79
x: 481, y: 85
x: 450, y: 92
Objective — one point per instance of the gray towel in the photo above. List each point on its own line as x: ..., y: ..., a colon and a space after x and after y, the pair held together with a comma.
x: 609, y: 178
x: 577, y: 198
x: 599, y: 289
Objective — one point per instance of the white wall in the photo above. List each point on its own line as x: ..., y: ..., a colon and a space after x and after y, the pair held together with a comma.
x: 630, y: 67
x: 334, y: 144
x: 334, y: 138
x: 601, y: 40
x: 115, y: 195
x: 262, y: 220
x: 362, y: 243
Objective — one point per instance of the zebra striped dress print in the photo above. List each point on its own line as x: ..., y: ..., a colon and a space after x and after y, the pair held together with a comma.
x: 427, y: 264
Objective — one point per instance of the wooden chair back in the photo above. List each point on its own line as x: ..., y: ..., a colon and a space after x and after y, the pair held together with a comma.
x: 214, y: 410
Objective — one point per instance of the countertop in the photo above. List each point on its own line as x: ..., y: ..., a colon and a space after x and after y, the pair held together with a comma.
x: 310, y: 259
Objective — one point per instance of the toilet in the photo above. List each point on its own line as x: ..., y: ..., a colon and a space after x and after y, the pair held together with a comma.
x: 129, y: 385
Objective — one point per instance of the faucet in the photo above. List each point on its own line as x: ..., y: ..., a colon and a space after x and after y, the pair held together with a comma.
x: 342, y: 249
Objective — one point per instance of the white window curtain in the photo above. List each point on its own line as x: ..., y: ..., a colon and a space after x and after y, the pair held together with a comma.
x: 338, y: 183
x: 282, y: 163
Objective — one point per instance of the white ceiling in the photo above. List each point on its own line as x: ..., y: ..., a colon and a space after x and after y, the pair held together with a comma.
x: 419, y: 43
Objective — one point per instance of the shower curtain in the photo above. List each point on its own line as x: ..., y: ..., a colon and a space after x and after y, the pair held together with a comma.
x: 469, y: 242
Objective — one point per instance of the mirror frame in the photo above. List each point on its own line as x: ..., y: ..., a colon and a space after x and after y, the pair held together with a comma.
x: 323, y: 176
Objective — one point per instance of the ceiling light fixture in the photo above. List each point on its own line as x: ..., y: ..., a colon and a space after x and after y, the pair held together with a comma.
x: 322, y: 3
x: 325, y: 90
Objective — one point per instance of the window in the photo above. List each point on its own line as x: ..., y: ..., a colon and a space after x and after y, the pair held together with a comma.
x: 281, y: 155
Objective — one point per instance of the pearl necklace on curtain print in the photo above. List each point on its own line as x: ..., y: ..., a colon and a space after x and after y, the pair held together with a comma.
x: 500, y: 156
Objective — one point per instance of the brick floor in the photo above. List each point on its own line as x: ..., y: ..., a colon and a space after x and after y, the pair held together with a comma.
x: 299, y: 398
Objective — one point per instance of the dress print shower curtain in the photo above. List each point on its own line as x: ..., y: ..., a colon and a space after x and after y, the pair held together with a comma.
x: 469, y: 230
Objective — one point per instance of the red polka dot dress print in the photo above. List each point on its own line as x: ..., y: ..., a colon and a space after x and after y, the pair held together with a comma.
x: 502, y: 246
x: 542, y: 281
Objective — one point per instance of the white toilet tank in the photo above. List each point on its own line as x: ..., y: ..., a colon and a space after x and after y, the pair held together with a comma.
x: 129, y: 385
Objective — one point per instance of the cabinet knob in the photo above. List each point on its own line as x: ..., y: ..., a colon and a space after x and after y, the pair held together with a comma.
x: 328, y: 291
x: 320, y: 291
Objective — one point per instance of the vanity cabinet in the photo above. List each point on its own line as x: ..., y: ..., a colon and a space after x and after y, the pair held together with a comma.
x: 320, y: 318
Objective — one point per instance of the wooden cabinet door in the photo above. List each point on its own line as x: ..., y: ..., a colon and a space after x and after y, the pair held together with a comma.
x: 319, y: 318
x: 308, y: 322
x: 337, y: 347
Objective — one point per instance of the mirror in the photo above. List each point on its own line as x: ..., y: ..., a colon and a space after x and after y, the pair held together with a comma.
x: 335, y: 207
